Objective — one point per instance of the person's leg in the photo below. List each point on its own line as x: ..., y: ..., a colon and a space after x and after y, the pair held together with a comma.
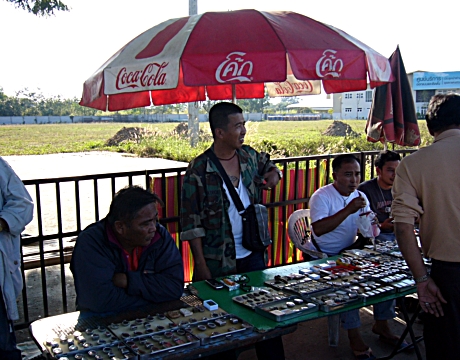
x: 351, y: 322
x: 268, y: 349
x: 442, y: 334
x: 386, y: 237
x: 253, y: 262
x: 8, y: 349
x: 272, y: 349
x: 383, y: 312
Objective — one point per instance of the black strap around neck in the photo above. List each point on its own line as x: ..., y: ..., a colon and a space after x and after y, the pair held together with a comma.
x: 231, y: 189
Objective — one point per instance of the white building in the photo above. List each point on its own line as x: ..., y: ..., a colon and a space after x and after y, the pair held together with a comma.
x: 357, y: 104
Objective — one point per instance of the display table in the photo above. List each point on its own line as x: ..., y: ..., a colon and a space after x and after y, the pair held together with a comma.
x: 254, y: 327
x: 224, y: 298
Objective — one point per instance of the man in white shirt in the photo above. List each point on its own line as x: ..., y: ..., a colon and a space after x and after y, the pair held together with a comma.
x: 334, y: 209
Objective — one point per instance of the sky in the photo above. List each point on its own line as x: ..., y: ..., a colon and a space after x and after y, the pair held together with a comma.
x: 56, y: 54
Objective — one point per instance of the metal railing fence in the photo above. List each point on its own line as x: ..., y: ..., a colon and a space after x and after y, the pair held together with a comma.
x: 64, y: 206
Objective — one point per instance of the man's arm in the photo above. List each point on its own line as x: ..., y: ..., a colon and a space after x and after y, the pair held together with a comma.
x: 93, y: 268
x: 160, y: 276
x: 17, y: 207
x: 329, y: 223
x: 201, y: 270
x: 428, y: 292
x: 271, y: 178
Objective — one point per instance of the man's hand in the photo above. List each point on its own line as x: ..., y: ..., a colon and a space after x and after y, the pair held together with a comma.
x: 120, y: 280
x: 430, y: 297
x: 356, y: 204
x: 201, y: 272
x: 387, y: 225
x: 271, y: 179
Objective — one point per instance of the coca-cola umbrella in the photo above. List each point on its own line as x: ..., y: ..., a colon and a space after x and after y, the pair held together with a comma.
x: 228, y: 55
x: 392, y: 118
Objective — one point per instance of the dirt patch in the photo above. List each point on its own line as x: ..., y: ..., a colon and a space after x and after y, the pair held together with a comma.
x: 128, y: 134
x: 136, y: 134
x: 182, y: 131
x: 339, y: 128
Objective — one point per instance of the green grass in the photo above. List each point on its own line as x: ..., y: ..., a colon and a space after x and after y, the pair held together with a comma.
x: 279, y: 138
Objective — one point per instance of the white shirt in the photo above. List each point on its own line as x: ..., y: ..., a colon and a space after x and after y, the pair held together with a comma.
x: 327, y: 201
x: 236, y: 220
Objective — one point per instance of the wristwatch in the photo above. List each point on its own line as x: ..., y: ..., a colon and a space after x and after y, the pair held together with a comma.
x: 421, y: 279
x: 280, y: 173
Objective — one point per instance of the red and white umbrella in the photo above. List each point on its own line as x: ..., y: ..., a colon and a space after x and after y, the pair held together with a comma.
x: 233, y: 54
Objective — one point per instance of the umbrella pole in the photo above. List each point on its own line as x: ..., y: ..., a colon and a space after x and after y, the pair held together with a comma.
x: 234, y: 93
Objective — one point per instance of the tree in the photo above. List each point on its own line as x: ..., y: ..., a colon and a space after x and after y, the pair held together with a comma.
x: 40, y: 7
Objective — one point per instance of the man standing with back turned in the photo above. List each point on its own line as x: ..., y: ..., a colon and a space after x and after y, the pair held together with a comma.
x: 427, y: 188
x: 209, y: 218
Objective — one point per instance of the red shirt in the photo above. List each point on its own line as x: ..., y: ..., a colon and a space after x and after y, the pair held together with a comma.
x: 132, y: 260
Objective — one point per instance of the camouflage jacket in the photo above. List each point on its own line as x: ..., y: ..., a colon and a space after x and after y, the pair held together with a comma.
x: 204, y: 209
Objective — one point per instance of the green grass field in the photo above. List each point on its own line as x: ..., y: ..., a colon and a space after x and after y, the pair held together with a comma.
x: 279, y: 138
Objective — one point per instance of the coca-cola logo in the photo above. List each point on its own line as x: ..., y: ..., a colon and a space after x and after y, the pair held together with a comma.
x: 291, y: 88
x: 151, y: 75
x: 329, y: 64
x: 234, y: 68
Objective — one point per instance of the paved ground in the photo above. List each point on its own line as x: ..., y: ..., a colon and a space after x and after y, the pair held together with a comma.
x: 308, y: 342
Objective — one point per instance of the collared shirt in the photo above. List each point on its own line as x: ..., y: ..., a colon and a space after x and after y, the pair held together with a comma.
x: 204, y: 209
x: 427, y: 187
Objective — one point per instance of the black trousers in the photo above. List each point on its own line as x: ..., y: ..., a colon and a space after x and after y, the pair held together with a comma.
x: 271, y: 349
x: 8, y: 348
x: 442, y: 334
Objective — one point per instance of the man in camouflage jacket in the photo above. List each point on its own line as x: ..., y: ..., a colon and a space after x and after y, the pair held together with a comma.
x: 205, y: 216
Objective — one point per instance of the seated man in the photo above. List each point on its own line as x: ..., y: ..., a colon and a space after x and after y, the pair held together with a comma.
x: 334, y: 210
x: 378, y: 191
x: 127, y: 259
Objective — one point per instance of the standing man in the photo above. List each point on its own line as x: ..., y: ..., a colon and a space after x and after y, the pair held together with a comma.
x: 210, y: 221
x: 128, y: 259
x: 427, y: 188
x: 378, y: 191
x: 16, y: 211
x: 334, y: 209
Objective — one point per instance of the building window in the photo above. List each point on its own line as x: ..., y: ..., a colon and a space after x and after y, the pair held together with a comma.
x: 348, y: 96
x: 368, y: 96
x: 359, y: 95
x: 360, y: 109
x: 423, y: 95
x: 347, y: 109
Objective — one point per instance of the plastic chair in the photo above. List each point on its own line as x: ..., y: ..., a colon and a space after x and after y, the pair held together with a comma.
x: 300, y: 235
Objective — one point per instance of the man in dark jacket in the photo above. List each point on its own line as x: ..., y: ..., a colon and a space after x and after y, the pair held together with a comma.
x: 128, y: 259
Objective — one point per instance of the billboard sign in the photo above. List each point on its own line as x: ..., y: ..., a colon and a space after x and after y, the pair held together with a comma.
x: 436, y: 80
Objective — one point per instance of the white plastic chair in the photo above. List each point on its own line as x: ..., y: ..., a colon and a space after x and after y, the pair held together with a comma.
x: 300, y: 234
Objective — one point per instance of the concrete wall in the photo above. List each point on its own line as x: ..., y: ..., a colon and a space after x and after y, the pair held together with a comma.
x: 18, y: 120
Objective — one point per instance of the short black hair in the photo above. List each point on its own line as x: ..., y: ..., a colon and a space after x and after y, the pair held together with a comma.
x: 218, y: 115
x: 128, y: 201
x: 343, y: 159
x: 443, y: 111
x: 385, y: 156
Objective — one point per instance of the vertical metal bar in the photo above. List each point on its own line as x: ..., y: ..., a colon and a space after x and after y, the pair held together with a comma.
x: 328, y: 169
x: 96, y: 200
x: 61, y: 246
x: 177, y: 191
x: 284, y: 217
x: 77, y: 205
x: 41, y: 254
